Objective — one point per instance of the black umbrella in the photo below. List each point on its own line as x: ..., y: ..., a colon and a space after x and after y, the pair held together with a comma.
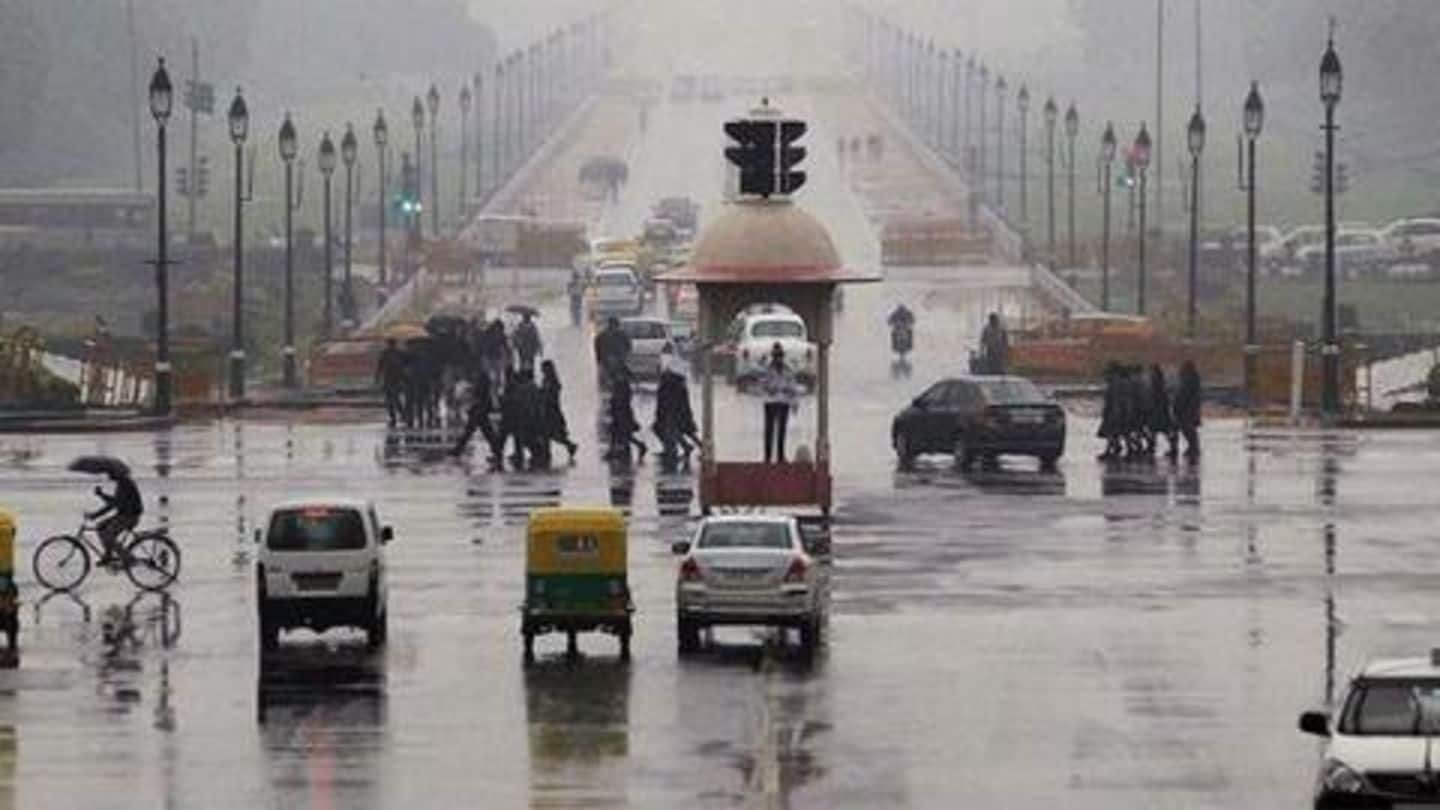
x: 523, y: 309
x: 101, y: 465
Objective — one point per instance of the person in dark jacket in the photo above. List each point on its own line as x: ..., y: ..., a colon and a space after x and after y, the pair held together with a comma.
x: 612, y: 350
x: 477, y: 417
x: 495, y: 350
x: 1162, y: 421
x: 390, y: 375
x: 1187, y: 410
x: 519, y: 416
x: 674, y: 419
x: 995, y: 346
x: 1137, y: 397
x: 124, y: 507
x: 526, y: 341
x: 1112, y: 413
x: 622, y: 418
x: 553, y: 427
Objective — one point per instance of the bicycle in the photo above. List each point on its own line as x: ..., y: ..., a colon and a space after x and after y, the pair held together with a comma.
x: 149, y: 558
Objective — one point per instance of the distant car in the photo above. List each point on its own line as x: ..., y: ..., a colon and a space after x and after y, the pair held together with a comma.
x: 683, y: 88
x: 648, y: 339
x: 1415, y: 239
x: 712, y: 89
x: 980, y: 417
x: 752, y: 570
x: 616, y: 291
x: 753, y: 335
x: 1356, y: 252
x: 1269, y: 244
x: 1288, y: 252
x: 1378, y: 748
x: 321, y: 564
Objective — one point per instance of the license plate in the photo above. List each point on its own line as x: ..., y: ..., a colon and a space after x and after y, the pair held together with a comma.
x: 1029, y: 417
x: 316, y: 582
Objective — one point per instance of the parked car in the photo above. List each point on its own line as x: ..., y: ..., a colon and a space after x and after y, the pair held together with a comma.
x: 616, y: 291
x: 753, y: 335
x: 1288, y: 252
x: 1415, y: 239
x: 1356, y: 252
x: 648, y: 339
x: 321, y: 564
x: 752, y: 570
x: 1269, y: 244
x: 980, y: 417
x: 1378, y: 748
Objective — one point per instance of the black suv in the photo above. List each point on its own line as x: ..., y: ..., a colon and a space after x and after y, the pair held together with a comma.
x: 981, y: 417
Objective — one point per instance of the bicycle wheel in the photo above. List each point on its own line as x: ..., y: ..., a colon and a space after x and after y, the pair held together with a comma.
x: 152, y: 561
x: 61, y: 563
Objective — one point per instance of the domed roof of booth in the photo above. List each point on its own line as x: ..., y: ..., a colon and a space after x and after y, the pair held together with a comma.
x: 757, y: 241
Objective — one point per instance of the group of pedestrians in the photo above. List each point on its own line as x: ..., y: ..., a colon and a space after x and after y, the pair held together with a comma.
x: 674, y: 422
x: 1140, y: 408
x: 412, y: 379
x: 520, y: 414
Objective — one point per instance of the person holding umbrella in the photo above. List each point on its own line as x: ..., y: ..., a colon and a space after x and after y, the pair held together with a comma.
x: 121, y: 509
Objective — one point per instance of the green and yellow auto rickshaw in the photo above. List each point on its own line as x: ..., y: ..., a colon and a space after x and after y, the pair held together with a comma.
x: 576, y: 580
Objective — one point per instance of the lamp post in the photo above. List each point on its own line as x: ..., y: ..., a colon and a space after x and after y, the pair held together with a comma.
x: 348, y: 149
x: 1195, y: 136
x: 1000, y: 88
x: 464, y: 146
x: 957, y: 72
x: 288, y: 148
x: 1072, y: 128
x: 433, y: 100
x: 382, y: 140
x: 1331, y: 79
x: 1254, y: 119
x: 239, y: 119
x: 980, y: 166
x: 1107, y: 161
x: 1140, y: 153
x: 417, y: 117
x: 1022, y: 103
x: 327, y: 169
x: 498, y: 129
x: 1051, y: 112
x: 968, y: 160
x: 940, y: 78
x: 479, y: 106
x: 161, y: 102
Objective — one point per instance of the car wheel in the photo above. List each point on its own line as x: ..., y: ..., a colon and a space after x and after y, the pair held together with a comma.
x: 269, y: 634
x: 378, y: 630
x: 1047, y: 461
x: 964, y: 456
x: 687, y: 636
x: 625, y: 643
x: 811, y: 636
x: 903, y: 450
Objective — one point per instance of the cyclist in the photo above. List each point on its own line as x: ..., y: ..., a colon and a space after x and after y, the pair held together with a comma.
x: 127, y: 507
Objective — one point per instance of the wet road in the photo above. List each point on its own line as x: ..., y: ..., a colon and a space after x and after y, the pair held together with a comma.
x: 1127, y: 637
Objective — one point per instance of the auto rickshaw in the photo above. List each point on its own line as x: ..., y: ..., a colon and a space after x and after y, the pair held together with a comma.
x: 576, y: 576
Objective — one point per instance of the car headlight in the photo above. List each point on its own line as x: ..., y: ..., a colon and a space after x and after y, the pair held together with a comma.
x: 1337, y: 777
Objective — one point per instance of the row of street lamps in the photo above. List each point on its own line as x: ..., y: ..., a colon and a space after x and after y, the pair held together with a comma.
x: 902, y: 63
x: 533, y: 86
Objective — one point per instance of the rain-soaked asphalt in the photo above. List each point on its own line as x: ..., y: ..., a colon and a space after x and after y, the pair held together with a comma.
x: 1127, y: 637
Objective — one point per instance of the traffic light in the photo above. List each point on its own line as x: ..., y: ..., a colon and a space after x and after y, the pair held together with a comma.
x: 409, y: 199
x: 791, y: 156
x: 755, y: 155
x: 182, y: 181
x: 202, y: 176
x: 1342, y: 178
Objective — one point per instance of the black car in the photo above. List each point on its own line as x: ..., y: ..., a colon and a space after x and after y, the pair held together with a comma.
x: 981, y: 417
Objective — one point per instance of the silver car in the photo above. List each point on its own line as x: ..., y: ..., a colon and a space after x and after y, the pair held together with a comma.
x: 752, y: 570
x: 648, y: 339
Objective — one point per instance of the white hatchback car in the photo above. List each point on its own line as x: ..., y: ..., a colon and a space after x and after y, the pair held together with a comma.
x: 321, y: 564
x: 616, y: 292
x: 1378, y: 750
x: 752, y: 570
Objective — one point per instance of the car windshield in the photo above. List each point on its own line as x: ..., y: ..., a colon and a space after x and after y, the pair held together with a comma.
x: 643, y: 330
x: 778, y: 329
x: 1011, y: 392
x: 316, y: 528
x: 745, y: 535
x: 614, y: 280
x: 1393, y: 707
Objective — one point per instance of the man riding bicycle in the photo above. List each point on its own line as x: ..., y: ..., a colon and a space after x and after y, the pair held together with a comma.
x: 127, y: 507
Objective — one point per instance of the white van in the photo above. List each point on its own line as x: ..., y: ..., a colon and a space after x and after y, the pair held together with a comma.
x: 321, y: 564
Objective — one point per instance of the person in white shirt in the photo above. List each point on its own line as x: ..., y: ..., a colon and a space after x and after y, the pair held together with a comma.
x: 779, y: 389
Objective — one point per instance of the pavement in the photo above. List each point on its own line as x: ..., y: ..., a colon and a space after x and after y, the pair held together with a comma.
x: 1101, y: 636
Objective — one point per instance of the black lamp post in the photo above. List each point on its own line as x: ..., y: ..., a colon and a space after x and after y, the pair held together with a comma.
x: 1001, y: 86
x: 1051, y: 112
x: 417, y: 117
x: 1022, y: 103
x: 980, y: 166
x: 433, y: 101
x: 239, y: 119
x: 479, y: 128
x: 348, y: 150
x: 969, y: 156
x: 327, y: 169
x: 1254, y: 119
x: 957, y: 73
x: 1196, y: 141
x: 464, y: 146
x: 499, y: 130
x: 1072, y: 128
x: 161, y: 102
x: 1140, y: 153
x: 288, y: 149
x: 382, y: 141
x: 941, y: 75
x: 1331, y: 79
x: 1107, y: 161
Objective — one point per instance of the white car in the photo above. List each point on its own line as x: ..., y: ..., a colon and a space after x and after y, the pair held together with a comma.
x: 752, y: 570
x: 1415, y: 238
x: 648, y: 339
x: 1356, y: 252
x: 753, y: 335
x: 1378, y: 750
x: 321, y: 564
x: 615, y: 291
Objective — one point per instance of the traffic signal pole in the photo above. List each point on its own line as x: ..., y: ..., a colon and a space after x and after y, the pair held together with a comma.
x: 192, y: 100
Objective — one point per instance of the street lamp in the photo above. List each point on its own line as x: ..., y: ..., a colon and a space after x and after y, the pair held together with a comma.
x: 980, y: 164
x: 327, y: 169
x: 1331, y: 80
x: 464, y: 145
x: 161, y: 100
x: 499, y: 130
x: 1072, y: 128
x: 1001, y: 86
x: 382, y: 140
x: 348, y: 150
x: 1140, y: 154
x: 957, y: 72
x: 1107, y: 160
x: 239, y: 119
x: 969, y: 157
x: 288, y: 149
x: 1196, y: 142
x: 1022, y: 103
x: 433, y: 101
x: 941, y: 73
x: 417, y: 117
x: 1051, y: 112
x: 1254, y: 119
